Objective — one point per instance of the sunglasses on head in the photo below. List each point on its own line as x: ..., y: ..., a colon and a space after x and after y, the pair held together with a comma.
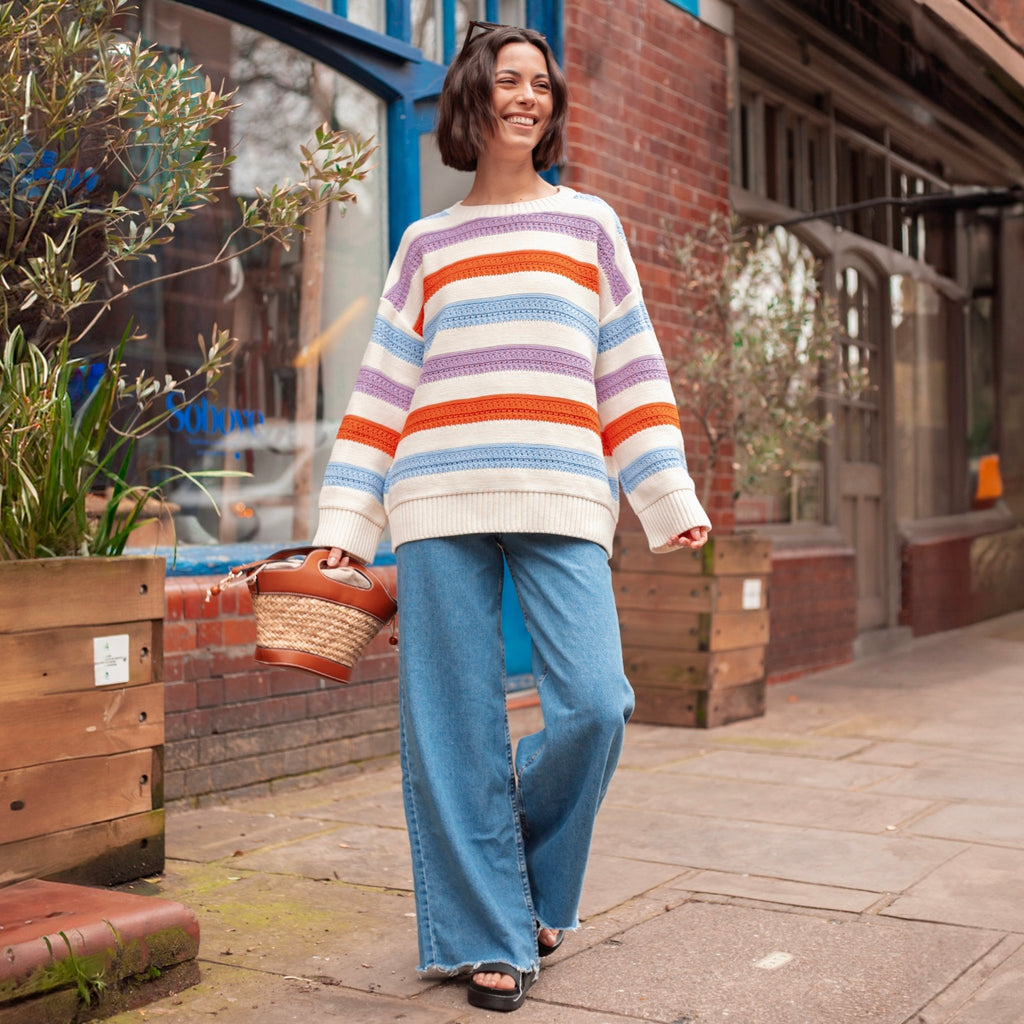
x: 479, y: 28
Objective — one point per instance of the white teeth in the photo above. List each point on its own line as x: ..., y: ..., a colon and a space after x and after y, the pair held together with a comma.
x: 528, y: 121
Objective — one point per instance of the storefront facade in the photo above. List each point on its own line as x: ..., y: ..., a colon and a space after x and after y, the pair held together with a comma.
x: 886, y: 136
x: 904, y: 120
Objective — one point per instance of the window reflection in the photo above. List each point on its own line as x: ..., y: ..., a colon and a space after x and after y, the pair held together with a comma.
x: 301, y: 316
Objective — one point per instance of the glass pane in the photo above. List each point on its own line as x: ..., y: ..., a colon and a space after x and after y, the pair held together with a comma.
x: 859, y: 415
x: 427, y: 29
x: 772, y: 120
x: 775, y: 298
x: 981, y: 254
x: 301, y: 316
x: 368, y: 13
x: 440, y: 186
x: 981, y: 394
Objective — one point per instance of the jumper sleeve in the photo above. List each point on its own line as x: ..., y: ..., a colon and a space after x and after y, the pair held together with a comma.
x: 636, y: 405
x: 351, y: 503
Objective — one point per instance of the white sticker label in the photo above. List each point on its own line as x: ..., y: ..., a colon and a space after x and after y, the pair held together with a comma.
x: 751, y: 595
x: 110, y: 659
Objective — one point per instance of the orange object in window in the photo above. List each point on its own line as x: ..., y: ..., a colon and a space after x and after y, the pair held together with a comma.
x: 990, y: 482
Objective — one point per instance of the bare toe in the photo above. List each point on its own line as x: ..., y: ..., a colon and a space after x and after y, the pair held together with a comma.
x: 498, y: 981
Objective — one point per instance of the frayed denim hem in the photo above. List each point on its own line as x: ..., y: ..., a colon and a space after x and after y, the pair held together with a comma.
x: 435, y: 973
x: 558, y: 928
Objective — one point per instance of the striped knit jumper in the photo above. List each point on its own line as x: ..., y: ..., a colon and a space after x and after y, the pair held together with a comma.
x: 512, y: 384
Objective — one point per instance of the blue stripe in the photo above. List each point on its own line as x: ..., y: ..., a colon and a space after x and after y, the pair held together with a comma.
x: 398, y: 344
x: 627, y: 326
x: 497, y: 457
x: 341, y: 474
x: 647, y: 465
x: 515, y: 308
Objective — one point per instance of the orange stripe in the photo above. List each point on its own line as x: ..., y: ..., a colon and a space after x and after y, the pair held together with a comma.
x: 495, y: 408
x: 658, y: 414
x: 373, y: 435
x: 491, y: 265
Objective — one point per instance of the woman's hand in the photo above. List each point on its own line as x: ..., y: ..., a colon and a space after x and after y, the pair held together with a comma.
x: 694, y: 538
x: 336, y: 557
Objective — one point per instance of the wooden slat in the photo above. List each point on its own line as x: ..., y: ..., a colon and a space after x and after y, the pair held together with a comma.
x: 108, y: 720
x: 742, y: 554
x: 727, y: 669
x: 48, y: 661
x: 94, y: 591
x: 692, y: 631
x: 697, y: 670
x: 729, y: 630
x: 665, y: 593
x: 105, y: 853
x: 632, y: 553
x: 661, y: 630
x: 676, y: 669
x: 699, y: 708
x: 66, y: 794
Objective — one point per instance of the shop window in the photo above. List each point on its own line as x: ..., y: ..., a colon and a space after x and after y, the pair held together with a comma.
x: 776, y: 298
x: 921, y: 320
x: 782, y: 152
x: 860, y: 379
x: 793, y: 153
x: 301, y: 317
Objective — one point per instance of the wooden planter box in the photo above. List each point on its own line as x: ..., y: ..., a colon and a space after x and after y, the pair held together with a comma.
x: 694, y: 628
x: 81, y: 719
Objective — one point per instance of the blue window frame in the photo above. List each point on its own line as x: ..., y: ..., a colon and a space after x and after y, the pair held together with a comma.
x: 386, y: 64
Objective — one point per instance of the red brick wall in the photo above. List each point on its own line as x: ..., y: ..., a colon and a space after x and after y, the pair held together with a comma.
x: 952, y: 581
x: 813, y: 601
x: 936, y: 585
x: 235, y: 727
x: 649, y: 133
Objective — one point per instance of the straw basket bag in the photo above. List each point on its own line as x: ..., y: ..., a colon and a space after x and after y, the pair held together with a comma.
x: 312, y: 617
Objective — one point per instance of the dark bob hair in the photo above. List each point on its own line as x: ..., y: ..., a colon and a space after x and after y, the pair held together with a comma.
x: 465, y: 116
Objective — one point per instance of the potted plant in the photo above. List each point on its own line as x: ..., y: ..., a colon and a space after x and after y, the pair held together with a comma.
x: 106, y: 145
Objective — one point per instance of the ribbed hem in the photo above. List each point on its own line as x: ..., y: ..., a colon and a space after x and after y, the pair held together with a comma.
x: 450, y: 515
x: 353, y: 533
x: 671, y: 515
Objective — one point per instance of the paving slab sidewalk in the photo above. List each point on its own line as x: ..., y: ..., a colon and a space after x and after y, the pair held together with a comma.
x: 854, y: 857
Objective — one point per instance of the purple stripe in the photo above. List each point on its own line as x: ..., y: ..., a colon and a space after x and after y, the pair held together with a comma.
x: 528, y: 358
x: 582, y: 228
x: 376, y: 385
x: 639, y: 371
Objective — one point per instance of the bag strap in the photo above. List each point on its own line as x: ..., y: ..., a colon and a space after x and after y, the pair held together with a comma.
x: 240, y: 572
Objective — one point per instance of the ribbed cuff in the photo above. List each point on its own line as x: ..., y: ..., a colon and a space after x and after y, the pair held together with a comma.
x: 671, y: 515
x: 353, y: 533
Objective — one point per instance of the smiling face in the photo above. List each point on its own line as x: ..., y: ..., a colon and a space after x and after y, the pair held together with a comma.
x: 479, y: 93
x: 521, y: 98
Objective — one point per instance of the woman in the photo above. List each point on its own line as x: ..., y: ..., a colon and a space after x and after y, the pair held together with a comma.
x: 512, y: 383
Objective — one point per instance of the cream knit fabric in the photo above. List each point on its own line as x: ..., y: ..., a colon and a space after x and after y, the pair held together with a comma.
x: 512, y: 383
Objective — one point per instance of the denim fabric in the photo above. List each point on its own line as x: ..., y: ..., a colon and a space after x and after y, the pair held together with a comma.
x: 500, y: 841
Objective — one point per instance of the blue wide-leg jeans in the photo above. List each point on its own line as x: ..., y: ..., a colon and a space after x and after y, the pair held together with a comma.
x: 500, y: 840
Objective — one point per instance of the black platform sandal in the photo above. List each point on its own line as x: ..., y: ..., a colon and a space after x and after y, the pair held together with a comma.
x: 543, y: 949
x: 504, y: 1000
